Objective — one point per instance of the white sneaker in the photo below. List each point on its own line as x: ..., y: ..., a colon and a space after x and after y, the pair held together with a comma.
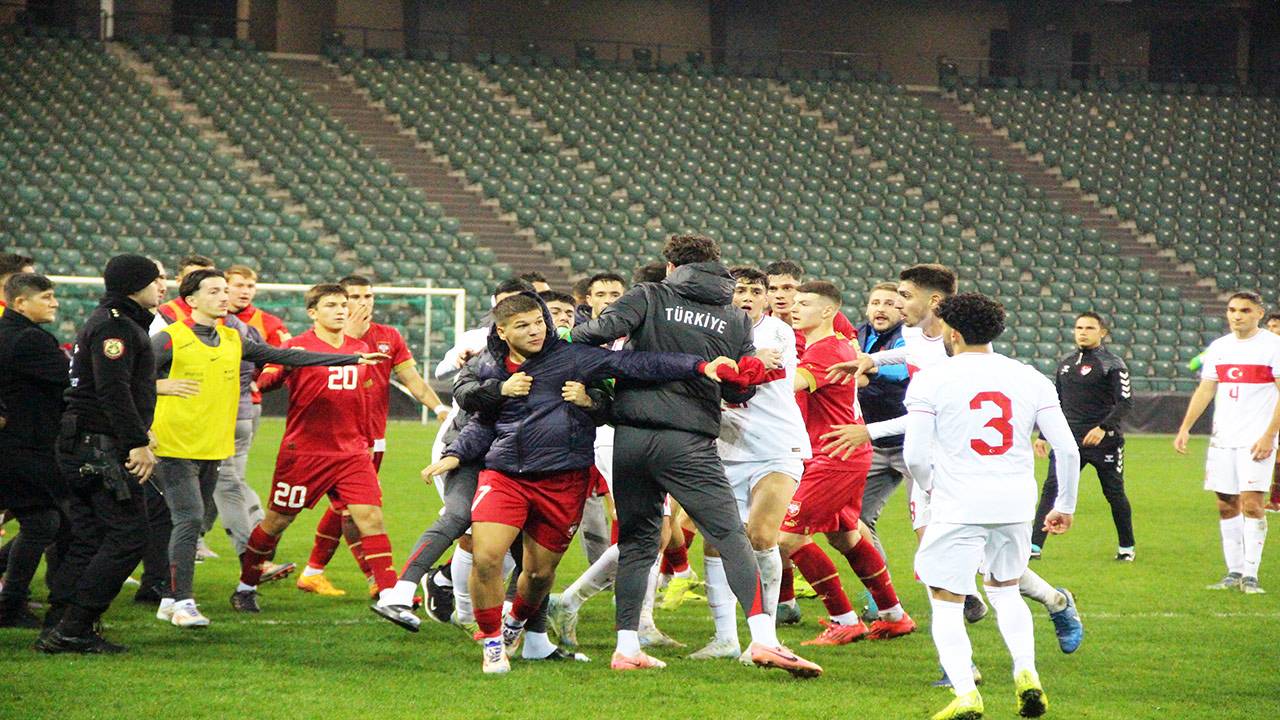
x: 652, y: 637
x: 187, y: 615
x: 165, y: 611
x: 717, y: 649
x: 495, y: 658
x: 511, y: 635
x: 204, y: 552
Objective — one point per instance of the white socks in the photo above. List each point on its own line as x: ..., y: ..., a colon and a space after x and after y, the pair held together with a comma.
x: 1233, y: 543
x: 1014, y: 619
x: 309, y: 571
x: 770, y: 564
x: 241, y: 587
x: 849, y: 618
x: 1255, y: 536
x: 955, y: 653
x: 537, y: 646
x: 763, y: 630
x: 721, y: 601
x: 628, y: 643
x: 461, y: 574
x: 400, y: 594
x: 646, y: 610
x: 1033, y: 586
x: 593, y: 580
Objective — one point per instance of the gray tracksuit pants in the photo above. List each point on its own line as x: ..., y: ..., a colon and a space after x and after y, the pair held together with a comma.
x: 233, y: 500
x: 188, y: 488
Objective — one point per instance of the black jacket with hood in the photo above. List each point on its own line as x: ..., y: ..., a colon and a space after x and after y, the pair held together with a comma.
x: 542, y: 432
x: 688, y: 312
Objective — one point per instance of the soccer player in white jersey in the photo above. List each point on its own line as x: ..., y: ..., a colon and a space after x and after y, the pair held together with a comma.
x: 968, y: 445
x: 1239, y: 376
x: 763, y: 444
x: 922, y: 289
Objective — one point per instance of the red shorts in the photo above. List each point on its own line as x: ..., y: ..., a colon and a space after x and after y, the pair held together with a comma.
x: 547, y: 507
x: 829, y: 497
x: 301, y: 480
x: 599, y: 486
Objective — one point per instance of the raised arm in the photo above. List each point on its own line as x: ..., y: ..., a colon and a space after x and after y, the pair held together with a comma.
x: 618, y: 320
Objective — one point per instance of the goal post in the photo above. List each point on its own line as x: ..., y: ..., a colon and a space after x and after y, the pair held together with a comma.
x: 431, y: 318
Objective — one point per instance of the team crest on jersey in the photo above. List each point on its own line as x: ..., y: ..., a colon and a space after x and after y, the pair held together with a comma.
x: 113, y: 348
x: 384, y: 348
x: 1086, y: 369
x: 793, y: 508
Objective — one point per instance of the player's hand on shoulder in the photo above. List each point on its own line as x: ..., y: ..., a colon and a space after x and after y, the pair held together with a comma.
x: 373, y: 358
x: 576, y: 393
x: 1056, y: 523
x: 464, y: 356
x: 517, y: 385
x: 439, y: 467
x: 1041, y: 448
x: 771, y: 357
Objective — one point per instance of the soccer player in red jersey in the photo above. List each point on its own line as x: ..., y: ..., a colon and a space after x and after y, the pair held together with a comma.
x: 336, y: 523
x: 325, y: 449
x: 829, y: 498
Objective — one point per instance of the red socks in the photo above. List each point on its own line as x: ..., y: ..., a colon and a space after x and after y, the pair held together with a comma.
x: 521, y: 610
x: 821, y: 573
x: 869, y: 565
x: 260, y: 548
x: 677, y: 560
x: 351, y: 534
x: 328, y: 535
x: 787, y: 590
x: 489, y: 620
x: 377, y: 552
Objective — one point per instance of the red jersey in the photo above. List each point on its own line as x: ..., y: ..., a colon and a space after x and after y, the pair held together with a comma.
x: 824, y: 404
x: 176, y: 310
x: 328, y: 406
x: 387, y: 340
x: 841, y: 325
x: 271, y: 328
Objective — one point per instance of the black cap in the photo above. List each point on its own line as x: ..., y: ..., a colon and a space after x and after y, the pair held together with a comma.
x: 127, y: 274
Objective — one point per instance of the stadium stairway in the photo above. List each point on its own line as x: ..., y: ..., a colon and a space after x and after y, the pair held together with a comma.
x: 413, y: 159
x: 1015, y: 157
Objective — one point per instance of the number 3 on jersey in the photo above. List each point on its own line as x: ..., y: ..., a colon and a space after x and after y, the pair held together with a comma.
x: 344, y: 378
x: 999, y: 423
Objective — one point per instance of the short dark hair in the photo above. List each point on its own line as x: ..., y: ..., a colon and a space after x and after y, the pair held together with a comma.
x: 649, y: 272
x: 750, y: 275
x: 1272, y: 316
x: 191, y: 283
x: 580, y: 286
x: 532, y: 276
x: 355, y: 281
x: 823, y: 288
x: 605, y: 277
x: 24, y: 285
x: 931, y: 276
x: 1093, y: 316
x: 977, y: 318
x: 550, y: 296
x: 200, y: 260
x: 514, y: 305
x: 785, y: 267
x: 1249, y: 295
x: 513, y: 285
x: 321, y: 291
x: 11, y: 263
x: 685, y: 249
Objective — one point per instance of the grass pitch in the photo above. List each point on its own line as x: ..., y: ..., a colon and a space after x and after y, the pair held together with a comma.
x: 1157, y: 644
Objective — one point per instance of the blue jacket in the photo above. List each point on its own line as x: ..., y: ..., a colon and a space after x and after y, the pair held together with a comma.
x: 882, y: 398
x: 542, y: 432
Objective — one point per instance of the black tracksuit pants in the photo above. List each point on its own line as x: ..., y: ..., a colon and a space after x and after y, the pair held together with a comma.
x: 1108, y: 461
x: 650, y: 464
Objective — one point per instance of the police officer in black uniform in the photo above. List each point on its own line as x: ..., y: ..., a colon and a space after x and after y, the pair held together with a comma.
x: 105, y: 456
x: 1093, y: 387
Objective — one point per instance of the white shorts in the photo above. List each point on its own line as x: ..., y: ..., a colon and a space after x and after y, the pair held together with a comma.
x: 951, y: 555
x: 745, y: 474
x: 917, y: 505
x: 1231, y: 471
x: 604, y: 463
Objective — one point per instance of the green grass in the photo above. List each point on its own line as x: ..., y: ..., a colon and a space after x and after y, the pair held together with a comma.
x: 1157, y: 645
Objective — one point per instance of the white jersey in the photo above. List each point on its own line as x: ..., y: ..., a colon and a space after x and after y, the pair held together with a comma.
x: 1246, y: 372
x: 918, y: 351
x: 769, y: 425
x: 983, y: 407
